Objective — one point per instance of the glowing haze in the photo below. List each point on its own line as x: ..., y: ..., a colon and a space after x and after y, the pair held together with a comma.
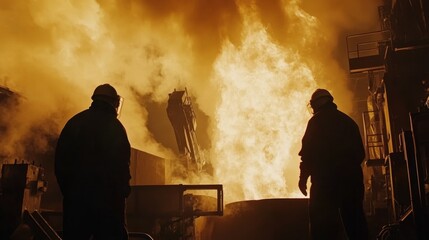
x: 250, y: 66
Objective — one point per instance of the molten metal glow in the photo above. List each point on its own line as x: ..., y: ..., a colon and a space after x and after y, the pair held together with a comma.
x: 261, y: 116
x: 250, y: 66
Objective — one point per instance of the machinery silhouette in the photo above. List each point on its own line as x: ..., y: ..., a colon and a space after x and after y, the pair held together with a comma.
x: 394, y: 62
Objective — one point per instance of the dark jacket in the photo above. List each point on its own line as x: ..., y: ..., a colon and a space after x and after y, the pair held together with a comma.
x: 332, y: 148
x: 93, y: 154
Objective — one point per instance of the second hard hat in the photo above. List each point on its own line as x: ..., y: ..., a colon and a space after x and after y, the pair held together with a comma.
x: 105, y: 90
x: 321, y: 93
x: 320, y: 98
x: 107, y: 93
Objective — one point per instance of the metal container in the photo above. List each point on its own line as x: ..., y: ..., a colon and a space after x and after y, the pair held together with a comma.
x: 283, y: 218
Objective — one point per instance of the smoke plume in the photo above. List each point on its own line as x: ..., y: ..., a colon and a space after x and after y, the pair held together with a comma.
x: 250, y: 66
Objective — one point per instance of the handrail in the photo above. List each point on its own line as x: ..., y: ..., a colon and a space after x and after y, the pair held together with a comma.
x: 40, y: 226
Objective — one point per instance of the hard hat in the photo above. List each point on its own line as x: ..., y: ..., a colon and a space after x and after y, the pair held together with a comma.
x: 319, y: 98
x: 107, y: 93
x: 319, y: 94
x: 105, y: 90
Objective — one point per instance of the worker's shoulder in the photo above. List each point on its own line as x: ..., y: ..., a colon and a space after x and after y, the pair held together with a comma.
x: 346, y: 117
x: 332, y: 114
x: 78, y: 117
x: 342, y: 113
x: 116, y: 124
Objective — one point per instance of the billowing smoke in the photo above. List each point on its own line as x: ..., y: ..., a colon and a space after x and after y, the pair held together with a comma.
x: 250, y: 66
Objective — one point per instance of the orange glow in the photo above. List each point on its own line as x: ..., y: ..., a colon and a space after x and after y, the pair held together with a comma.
x: 250, y: 65
x: 261, y: 116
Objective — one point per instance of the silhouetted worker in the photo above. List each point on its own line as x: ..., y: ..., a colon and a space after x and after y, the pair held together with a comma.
x: 332, y: 153
x: 92, y: 169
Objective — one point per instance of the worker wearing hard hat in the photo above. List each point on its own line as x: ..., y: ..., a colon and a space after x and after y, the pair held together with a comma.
x: 332, y: 152
x: 92, y: 169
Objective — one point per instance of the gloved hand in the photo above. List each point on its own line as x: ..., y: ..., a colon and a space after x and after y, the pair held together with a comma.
x: 302, y: 184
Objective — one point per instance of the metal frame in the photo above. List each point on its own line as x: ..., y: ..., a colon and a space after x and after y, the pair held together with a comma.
x: 170, y: 200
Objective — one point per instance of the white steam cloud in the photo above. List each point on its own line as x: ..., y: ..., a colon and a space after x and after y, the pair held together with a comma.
x: 230, y: 55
